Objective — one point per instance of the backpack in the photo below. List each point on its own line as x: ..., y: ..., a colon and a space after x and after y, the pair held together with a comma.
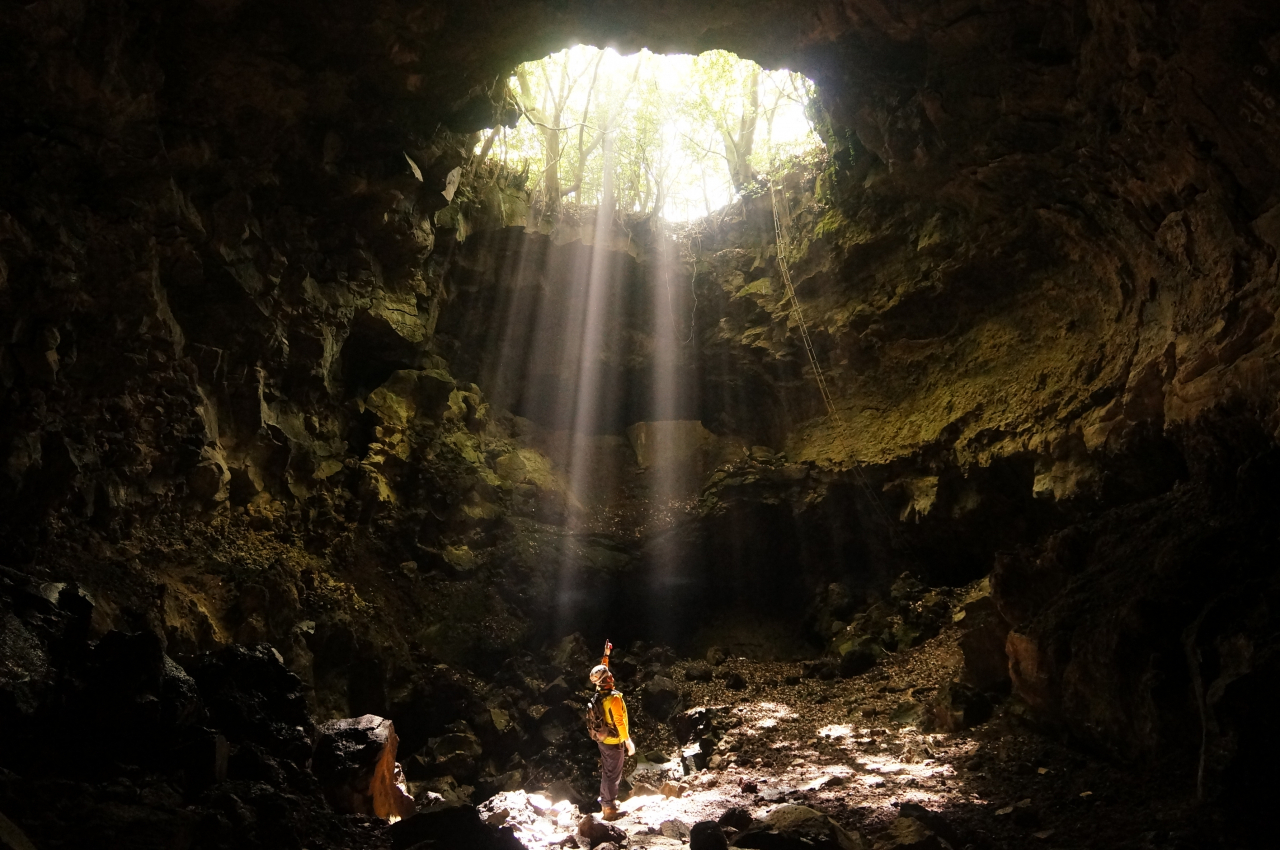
x: 598, y: 726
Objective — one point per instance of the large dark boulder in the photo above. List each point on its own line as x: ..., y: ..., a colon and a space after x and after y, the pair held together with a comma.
x: 699, y: 671
x: 451, y: 828
x: 707, y: 835
x: 355, y: 761
x: 857, y: 661
x: 456, y: 753
x: 600, y: 832
x: 907, y: 833
x: 799, y: 828
x: 252, y: 696
x: 660, y: 697
x: 983, y: 635
x: 959, y: 706
x: 130, y: 704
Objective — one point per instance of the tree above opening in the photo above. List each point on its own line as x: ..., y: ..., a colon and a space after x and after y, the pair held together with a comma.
x: 678, y: 135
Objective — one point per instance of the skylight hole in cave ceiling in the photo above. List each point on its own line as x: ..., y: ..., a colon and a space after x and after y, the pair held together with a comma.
x: 679, y: 135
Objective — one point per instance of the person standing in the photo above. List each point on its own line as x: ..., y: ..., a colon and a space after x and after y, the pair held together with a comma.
x: 607, y: 722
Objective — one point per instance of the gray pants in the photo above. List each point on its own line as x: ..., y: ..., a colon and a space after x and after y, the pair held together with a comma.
x: 612, y: 757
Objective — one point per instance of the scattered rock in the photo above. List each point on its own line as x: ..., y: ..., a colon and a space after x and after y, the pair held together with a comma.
x: 457, y: 752
x: 791, y: 827
x: 599, y: 832
x: 675, y: 828
x: 959, y: 706
x: 355, y: 761
x: 451, y: 826
x: 699, y: 672
x: 907, y: 832
x: 737, y: 817
x: 933, y: 820
x: 572, y: 653
x: 908, y: 713
x: 660, y: 698
x: 707, y: 835
x: 672, y: 789
x: 982, y: 641
x: 252, y: 695
x: 856, y: 661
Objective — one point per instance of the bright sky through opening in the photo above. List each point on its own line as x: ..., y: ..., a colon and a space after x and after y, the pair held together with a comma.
x: 681, y: 134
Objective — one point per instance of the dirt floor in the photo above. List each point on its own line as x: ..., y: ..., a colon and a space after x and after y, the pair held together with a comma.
x: 854, y: 750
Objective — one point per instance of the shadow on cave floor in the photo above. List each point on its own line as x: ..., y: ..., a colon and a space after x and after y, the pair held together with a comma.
x: 854, y: 749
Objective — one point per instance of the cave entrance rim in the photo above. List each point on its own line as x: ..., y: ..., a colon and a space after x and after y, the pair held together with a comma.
x: 674, y: 137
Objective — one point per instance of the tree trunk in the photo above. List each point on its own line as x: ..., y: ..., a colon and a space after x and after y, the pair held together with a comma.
x: 737, y: 148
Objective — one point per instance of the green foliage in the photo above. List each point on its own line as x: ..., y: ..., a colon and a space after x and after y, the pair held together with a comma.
x: 680, y: 135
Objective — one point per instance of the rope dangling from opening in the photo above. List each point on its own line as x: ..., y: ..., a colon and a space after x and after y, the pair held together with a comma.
x: 784, y: 247
x: 664, y: 263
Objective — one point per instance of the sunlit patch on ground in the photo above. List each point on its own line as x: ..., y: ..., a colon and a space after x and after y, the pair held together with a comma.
x: 785, y: 744
x: 834, y: 746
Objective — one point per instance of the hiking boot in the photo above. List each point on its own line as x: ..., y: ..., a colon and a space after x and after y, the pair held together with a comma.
x: 610, y: 813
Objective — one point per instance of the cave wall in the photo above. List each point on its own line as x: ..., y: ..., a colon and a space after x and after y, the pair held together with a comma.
x: 1044, y: 252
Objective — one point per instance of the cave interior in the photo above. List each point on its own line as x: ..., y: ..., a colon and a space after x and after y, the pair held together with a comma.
x: 926, y: 489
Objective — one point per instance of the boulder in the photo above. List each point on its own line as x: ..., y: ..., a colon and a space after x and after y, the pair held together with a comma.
x: 698, y: 671
x: 856, y: 661
x: 799, y: 828
x: 910, y: 834
x: 697, y: 724
x: 355, y: 761
x: 914, y: 632
x: 824, y: 669
x: 959, y: 706
x: 252, y: 696
x: 906, y: 588
x: 909, y: 712
x: 675, y: 828
x: 456, y: 753
x: 707, y: 835
x: 982, y: 640
x: 599, y: 832
x: 660, y: 698
x: 132, y: 704
x: 554, y: 692
x: 736, y: 818
x: 933, y: 820
x: 572, y: 653
x: 451, y: 826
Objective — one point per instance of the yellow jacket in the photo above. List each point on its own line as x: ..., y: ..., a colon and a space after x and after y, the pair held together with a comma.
x: 615, y: 712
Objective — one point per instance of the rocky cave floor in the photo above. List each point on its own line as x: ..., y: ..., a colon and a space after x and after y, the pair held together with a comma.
x: 854, y: 750
x: 126, y: 757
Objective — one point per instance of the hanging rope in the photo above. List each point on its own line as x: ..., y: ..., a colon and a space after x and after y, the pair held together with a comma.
x: 665, y: 263
x: 784, y: 248
x: 693, y: 291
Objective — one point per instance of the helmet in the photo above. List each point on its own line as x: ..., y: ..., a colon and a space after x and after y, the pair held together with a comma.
x: 598, y: 674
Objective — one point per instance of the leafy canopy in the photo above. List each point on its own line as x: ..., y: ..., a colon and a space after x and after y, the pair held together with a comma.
x: 678, y: 135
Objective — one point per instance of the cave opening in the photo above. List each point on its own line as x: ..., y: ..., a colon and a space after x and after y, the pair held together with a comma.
x: 673, y: 136
x: 583, y: 290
